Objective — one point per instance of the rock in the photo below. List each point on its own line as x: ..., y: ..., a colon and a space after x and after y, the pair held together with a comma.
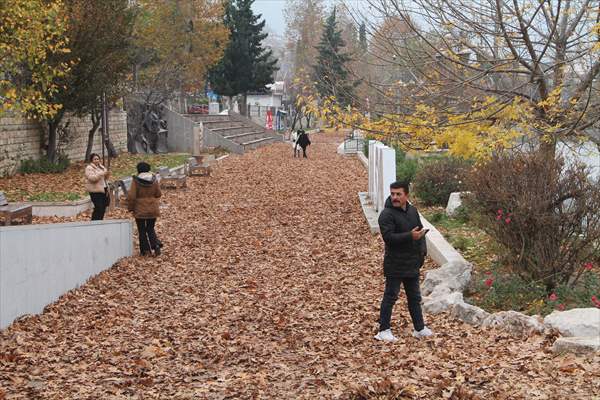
x: 469, y: 313
x: 454, y: 201
x: 576, y: 322
x: 454, y: 274
x: 577, y: 345
x: 441, y: 304
x: 514, y: 322
x: 440, y: 291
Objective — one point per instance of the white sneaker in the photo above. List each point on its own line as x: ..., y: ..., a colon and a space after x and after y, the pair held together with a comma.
x: 425, y: 332
x: 386, y: 336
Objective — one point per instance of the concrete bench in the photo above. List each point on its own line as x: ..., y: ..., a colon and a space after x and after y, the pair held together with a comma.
x: 168, y: 178
x: 11, y: 211
x: 200, y: 165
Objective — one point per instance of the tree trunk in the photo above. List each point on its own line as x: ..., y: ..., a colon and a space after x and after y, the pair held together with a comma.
x: 110, y: 149
x: 52, y: 150
x: 294, y: 121
x: 90, y: 144
x: 243, y: 106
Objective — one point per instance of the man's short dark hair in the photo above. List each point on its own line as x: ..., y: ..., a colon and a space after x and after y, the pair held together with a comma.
x: 400, y: 185
x: 143, y: 167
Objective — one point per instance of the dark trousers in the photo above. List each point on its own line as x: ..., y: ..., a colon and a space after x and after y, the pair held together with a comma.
x: 390, y: 295
x: 99, y: 201
x: 297, y: 151
x: 147, y: 234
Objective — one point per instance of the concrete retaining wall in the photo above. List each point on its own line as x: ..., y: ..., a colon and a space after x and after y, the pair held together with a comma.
x: 39, y: 263
x: 182, y: 131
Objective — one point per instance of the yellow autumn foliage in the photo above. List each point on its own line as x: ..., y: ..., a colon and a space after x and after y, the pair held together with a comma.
x: 473, y: 134
x: 186, y: 36
x: 31, y: 32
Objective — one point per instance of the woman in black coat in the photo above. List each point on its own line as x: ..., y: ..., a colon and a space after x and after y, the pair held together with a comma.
x: 302, y: 141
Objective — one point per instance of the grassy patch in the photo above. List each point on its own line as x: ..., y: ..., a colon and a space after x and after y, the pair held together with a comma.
x: 70, y: 184
x: 125, y: 165
x: 474, y: 244
x: 54, y: 196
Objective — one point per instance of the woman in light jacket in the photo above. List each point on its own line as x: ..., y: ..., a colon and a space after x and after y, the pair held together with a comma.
x: 96, y: 175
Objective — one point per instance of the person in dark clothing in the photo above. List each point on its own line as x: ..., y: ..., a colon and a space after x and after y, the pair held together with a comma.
x: 143, y: 200
x: 303, y: 141
x: 405, y: 252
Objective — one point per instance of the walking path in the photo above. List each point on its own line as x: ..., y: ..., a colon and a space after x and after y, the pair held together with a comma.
x: 268, y: 287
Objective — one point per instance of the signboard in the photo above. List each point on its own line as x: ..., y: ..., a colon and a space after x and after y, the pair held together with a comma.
x: 269, y: 121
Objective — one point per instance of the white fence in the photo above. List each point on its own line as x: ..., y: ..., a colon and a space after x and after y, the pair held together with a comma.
x: 382, y: 172
x: 39, y: 263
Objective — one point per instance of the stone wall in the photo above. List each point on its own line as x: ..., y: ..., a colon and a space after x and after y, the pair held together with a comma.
x: 21, y: 139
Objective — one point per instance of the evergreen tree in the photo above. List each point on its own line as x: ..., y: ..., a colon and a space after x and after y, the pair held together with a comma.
x: 331, y: 72
x: 246, y: 66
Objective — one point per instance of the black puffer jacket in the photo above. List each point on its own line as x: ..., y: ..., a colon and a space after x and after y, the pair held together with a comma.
x: 403, y: 255
x: 303, y: 140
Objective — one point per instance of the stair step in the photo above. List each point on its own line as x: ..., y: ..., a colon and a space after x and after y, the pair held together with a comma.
x: 208, y: 118
x: 258, y: 141
x: 239, y: 135
x: 226, y: 128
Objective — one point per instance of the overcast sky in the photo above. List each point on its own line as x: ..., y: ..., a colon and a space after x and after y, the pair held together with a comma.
x: 272, y: 12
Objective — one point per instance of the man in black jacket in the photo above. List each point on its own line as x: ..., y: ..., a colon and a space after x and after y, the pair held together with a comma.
x: 405, y: 251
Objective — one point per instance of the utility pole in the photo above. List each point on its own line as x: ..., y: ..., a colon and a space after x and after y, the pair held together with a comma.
x: 104, y: 130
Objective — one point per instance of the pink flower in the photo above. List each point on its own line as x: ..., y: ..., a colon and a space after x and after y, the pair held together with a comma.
x: 594, y: 299
x: 499, y: 212
x: 507, y: 220
x: 561, y: 307
x: 552, y: 297
x: 489, y: 282
x: 488, y: 272
x: 498, y: 217
x: 588, y: 266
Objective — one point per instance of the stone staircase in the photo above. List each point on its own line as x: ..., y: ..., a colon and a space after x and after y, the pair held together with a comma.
x: 233, y: 132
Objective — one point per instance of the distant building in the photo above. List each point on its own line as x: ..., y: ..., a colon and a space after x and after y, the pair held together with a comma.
x: 272, y: 97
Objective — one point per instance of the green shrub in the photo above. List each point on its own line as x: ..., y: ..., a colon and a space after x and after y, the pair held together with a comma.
x: 437, y: 178
x: 500, y: 292
x: 406, y: 168
x: 438, y: 217
x: 462, y: 214
x: 44, y: 166
x: 503, y: 292
x: 462, y: 243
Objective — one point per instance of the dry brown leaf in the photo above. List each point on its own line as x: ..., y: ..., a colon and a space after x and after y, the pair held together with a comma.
x: 268, y: 287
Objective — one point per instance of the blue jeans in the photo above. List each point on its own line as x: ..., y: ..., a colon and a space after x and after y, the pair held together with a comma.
x: 390, y: 295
